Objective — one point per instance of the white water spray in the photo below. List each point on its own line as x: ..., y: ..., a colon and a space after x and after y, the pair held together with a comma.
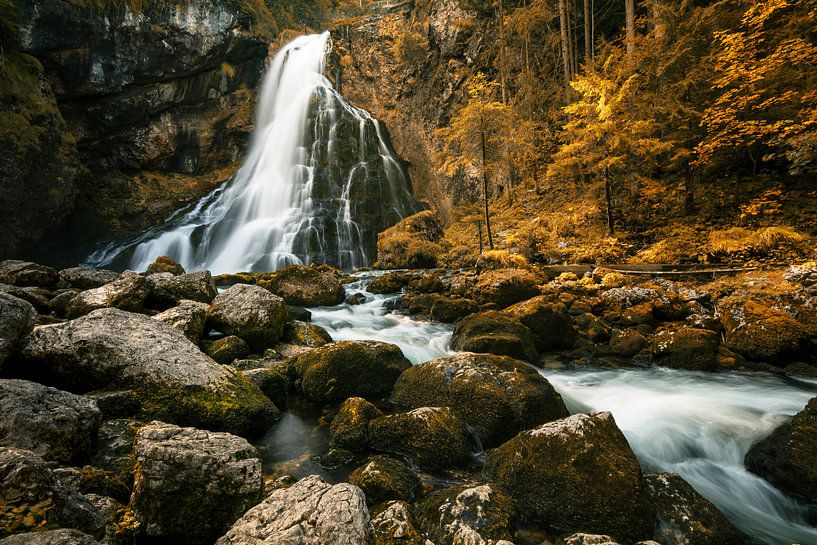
x: 318, y: 182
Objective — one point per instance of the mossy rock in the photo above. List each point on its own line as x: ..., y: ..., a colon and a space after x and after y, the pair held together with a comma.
x: 686, y: 348
x: 350, y: 427
x: 306, y: 334
x: 350, y: 368
x: 762, y: 333
x: 493, y: 332
x: 226, y: 349
x: 434, y: 438
x: 394, y: 524
x: 389, y: 283
x: 164, y: 264
x: 304, y: 286
x: 383, y: 478
x: 549, y: 322
x: 249, y: 312
x: 504, y: 287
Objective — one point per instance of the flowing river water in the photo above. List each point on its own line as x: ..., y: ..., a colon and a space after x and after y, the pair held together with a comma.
x: 699, y: 425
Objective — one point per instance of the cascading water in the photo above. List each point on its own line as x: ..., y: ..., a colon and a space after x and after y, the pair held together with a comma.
x: 318, y: 183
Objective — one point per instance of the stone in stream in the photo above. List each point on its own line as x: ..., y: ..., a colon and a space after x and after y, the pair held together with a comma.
x: 226, y: 349
x: 591, y: 480
x: 168, y: 290
x: 188, y: 317
x: 192, y: 484
x: 87, y: 278
x: 384, y: 478
x: 434, y: 438
x: 57, y: 425
x: 303, y: 286
x: 351, y: 368
x: 310, y: 512
x: 686, y: 348
x: 128, y: 292
x: 390, y: 282
x: 350, y: 427
x: 762, y: 333
x: 550, y: 323
x: 394, y: 524
x: 468, y: 513
x: 16, y: 321
x: 504, y: 287
x: 493, y: 332
x: 497, y: 395
x: 627, y: 342
x: 249, y: 312
x: 165, y: 264
x: 173, y: 379
x: 684, y: 516
x: 32, y: 495
x: 306, y: 334
x: 51, y: 537
x: 786, y: 458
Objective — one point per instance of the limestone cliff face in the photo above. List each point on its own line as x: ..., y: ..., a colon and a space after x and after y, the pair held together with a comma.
x: 157, y: 99
x: 415, y: 100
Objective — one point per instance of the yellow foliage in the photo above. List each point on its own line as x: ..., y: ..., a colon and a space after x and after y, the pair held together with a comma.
x: 760, y: 242
x: 502, y: 259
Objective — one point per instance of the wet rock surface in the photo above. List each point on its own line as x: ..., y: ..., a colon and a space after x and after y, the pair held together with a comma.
x: 249, y: 312
x: 16, y: 321
x: 493, y: 332
x: 384, y: 478
x: 305, y: 286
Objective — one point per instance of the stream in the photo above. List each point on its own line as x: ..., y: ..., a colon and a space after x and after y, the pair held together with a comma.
x: 699, y: 425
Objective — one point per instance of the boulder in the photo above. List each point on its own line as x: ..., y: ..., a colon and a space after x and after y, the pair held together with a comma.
x: 504, y: 287
x: 59, y: 303
x: 306, y: 334
x: 550, y: 323
x: 592, y: 328
x: 624, y: 297
x: 497, y: 395
x: 383, y: 478
x: 350, y: 427
x: 51, y: 537
x: 273, y: 381
x: 16, y: 321
x: 388, y: 283
x: 591, y: 480
x: 412, y: 243
x: 192, y: 484
x: 168, y: 290
x: 31, y: 495
x: 35, y: 296
x: 686, y: 348
x: 434, y: 438
x: 449, y: 310
x: 128, y: 292
x: 173, y: 379
x: 226, y: 349
x: 394, y: 524
x: 310, y: 512
x: 350, y: 368
x: 763, y: 334
x: 786, y: 457
x: 493, y: 332
x: 627, y: 342
x: 87, y: 278
x: 466, y: 514
x: 56, y: 425
x: 249, y: 312
x: 587, y: 539
x: 188, y: 317
x: 303, y: 286
x: 24, y: 273
x: 684, y: 516
x: 165, y: 264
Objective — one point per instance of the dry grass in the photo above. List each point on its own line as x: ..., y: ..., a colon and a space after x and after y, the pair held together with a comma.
x: 502, y: 259
x: 738, y: 240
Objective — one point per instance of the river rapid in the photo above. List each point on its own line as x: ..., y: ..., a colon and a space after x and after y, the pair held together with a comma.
x: 699, y: 425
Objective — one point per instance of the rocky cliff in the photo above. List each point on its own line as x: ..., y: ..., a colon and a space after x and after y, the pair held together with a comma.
x: 154, y: 99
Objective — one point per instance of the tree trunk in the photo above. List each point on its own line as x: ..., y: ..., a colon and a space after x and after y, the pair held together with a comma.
x: 479, y: 229
x: 588, y: 33
x: 689, y: 193
x: 565, y: 44
x: 629, y: 8
x: 485, y: 188
x: 570, y: 36
x: 503, y: 80
x: 608, y: 196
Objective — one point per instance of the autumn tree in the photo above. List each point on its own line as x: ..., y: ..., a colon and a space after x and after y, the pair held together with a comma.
x: 484, y: 138
x: 606, y: 139
x: 766, y: 75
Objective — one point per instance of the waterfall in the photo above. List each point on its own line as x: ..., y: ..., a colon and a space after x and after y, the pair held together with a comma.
x: 318, y: 182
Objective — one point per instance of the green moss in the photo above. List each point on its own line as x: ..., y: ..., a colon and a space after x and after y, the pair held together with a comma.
x: 237, y: 407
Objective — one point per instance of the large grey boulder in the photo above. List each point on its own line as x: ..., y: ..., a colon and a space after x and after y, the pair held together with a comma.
x: 497, y: 395
x: 33, y: 495
x: 56, y: 425
x: 51, y: 537
x: 192, y: 484
x: 88, y: 278
x: 25, y: 273
x: 305, y: 286
x: 577, y: 473
x: 310, y: 512
x: 16, y: 321
x: 173, y: 380
x: 167, y: 289
x: 249, y: 312
x: 188, y: 317
x: 128, y: 292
